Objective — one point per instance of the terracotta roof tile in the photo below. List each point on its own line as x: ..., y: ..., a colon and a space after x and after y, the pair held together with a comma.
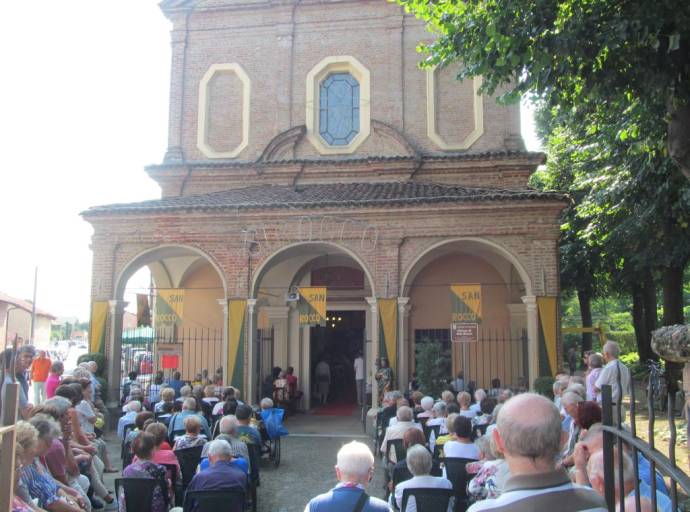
x: 324, y: 196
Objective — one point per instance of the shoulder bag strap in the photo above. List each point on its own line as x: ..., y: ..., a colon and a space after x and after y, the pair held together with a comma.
x: 363, y: 499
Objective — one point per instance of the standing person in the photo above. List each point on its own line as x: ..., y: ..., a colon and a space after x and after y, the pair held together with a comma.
x: 39, y: 374
x: 323, y: 380
x: 22, y: 362
x: 595, y: 361
x: 359, y: 377
x: 354, y: 470
x: 572, y: 360
x: 176, y: 383
x: 529, y: 435
x: 459, y: 383
x: 610, y: 375
x: 53, y: 380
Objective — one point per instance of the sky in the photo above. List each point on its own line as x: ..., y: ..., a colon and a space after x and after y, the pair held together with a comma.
x: 83, y: 109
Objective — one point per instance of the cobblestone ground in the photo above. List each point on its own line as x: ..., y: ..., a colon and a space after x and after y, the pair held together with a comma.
x: 306, y: 469
x: 307, y: 462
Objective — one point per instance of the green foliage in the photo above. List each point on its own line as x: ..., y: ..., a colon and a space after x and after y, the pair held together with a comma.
x: 99, y: 358
x: 544, y: 386
x: 626, y: 340
x: 632, y: 361
x: 433, y: 368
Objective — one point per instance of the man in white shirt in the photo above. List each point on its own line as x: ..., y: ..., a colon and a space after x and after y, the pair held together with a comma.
x: 419, y: 463
x: 404, y: 416
x: 359, y: 377
x: 609, y: 376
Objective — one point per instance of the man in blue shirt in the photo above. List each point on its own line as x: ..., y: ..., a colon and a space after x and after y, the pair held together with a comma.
x: 245, y: 432
x: 176, y: 383
x: 354, y: 470
x: 221, y: 475
x: 188, y: 409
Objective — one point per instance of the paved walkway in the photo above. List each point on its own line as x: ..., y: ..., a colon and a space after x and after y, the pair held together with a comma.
x: 307, y: 462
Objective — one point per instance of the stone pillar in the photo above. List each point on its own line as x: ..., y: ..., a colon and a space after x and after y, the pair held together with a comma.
x: 374, y: 311
x: 532, y: 338
x: 403, y: 343
x: 251, y: 391
x: 117, y: 310
x: 278, y: 320
x: 518, y: 318
x: 223, y: 303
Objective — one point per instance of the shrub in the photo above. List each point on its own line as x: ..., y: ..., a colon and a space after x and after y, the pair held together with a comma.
x: 625, y: 339
x: 544, y: 386
x: 433, y: 368
x: 99, y: 358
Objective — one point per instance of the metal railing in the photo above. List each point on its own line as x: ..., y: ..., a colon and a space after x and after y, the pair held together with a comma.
x: 621, y: 437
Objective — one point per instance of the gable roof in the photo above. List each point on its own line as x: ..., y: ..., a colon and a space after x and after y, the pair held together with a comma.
x: 369, y: 194
x: 25, y: 305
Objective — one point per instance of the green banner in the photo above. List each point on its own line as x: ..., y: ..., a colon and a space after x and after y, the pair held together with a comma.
x: 312, y: 306
x: 236, y: 314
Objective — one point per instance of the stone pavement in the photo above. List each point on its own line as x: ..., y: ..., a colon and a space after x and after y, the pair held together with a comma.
x: 307, y: 462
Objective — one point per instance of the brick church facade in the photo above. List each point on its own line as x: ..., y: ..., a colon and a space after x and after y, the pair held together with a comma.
x: 306, y: 147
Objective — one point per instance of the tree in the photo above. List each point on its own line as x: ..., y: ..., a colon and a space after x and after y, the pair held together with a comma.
x: 575, y: 54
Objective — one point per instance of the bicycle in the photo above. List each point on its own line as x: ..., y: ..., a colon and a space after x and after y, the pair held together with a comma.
x: 655, y: 382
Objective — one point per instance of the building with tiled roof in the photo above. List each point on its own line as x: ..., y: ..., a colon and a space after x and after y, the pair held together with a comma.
x: 15, y: 322
x: 306, y: 148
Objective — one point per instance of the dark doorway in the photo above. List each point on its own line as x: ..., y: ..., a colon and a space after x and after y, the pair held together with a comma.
x: 338, y: 344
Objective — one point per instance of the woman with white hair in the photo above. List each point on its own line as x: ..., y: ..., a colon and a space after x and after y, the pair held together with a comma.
x: 427, y: 403
x: 419, y: 463
x: 354, y: 470
x: 440, y: 413
x: 479, y: 395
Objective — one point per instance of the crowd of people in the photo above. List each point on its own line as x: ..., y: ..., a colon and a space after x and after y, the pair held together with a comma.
x: 522, y: 452
x: 515, y: 451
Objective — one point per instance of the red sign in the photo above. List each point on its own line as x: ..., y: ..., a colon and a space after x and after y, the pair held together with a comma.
x: 461, y: 332
x: 170, y: 362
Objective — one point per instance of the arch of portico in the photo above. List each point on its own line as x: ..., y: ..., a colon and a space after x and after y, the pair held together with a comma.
x: 175, y: 266
x: 283, y: 271
x: 509, y: 302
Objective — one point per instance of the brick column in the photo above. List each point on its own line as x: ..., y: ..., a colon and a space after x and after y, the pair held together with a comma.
x: 532, y: 338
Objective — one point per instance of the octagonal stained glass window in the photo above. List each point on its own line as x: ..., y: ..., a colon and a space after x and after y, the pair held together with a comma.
x: 339, y: 109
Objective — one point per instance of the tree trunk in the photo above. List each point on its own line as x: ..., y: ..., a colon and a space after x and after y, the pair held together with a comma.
x: 585, y: 301
x: 651, y: 323
x: 639, y: 321
x: 679, y: 137
x: 673, y: 314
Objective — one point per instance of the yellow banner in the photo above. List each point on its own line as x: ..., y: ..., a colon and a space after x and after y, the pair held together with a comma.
x: 388, y: 341
x: 466, y: 301
x: 312, y: 307
x: 99, y: 317
x: 169, y: 308
x: 547, y: 330
x: 236, y: 313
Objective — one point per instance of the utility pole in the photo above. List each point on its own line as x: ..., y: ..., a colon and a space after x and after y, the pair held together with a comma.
x: 33, y: 307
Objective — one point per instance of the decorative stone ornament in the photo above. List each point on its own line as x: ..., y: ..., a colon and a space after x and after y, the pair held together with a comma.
x: 672, y: 343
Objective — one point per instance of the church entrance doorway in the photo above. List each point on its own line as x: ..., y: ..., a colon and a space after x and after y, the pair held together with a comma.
x: 333, y: 349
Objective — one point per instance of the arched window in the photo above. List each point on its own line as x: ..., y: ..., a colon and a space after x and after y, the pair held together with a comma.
x: 339, y: 109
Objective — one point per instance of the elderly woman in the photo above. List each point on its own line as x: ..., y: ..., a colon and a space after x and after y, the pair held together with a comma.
x: 479, y: 395
x: 192, y: 436
x: 144, y: 447
x: 461, y: 444
x: 440, y: 413
x: 35, y: 481
x: 464, y: 401
x: 419, y: 463
x: 87, y: 420
x: 140, y: 421
x: 427, y: 403
x: 167, y: 396
x: 412, y: 437
x: 448, y: 397
x: 448, y: 427
x: 185, y: 392
x: 491, y: 472
x: 163, y: 454
x: 595, y: 362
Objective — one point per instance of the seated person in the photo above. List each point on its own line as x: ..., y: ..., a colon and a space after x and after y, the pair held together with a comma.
x: 412, y: 437
x: 448, y: 427
x: 228, y: 394
x: 461, y: 445
x: 245, y: 432
x: 163, y: 453
x: 35, y: 481
x: 228, y: 432
x: 139, y: 425
x: 210, y: 396
x: 143, y: 466
x: 419, y: 463
x: 486, y: 407
x: 192, y: 436
x: 221, y: 474
x: 479, y: 395
x: 491, y: 471
x: 464, y: 402
x: 439, y: 414
x: 354, y: 470
x: 188, y: 409
x: 131, y: 410
x: 167, y: 398
x: 427, y: 404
